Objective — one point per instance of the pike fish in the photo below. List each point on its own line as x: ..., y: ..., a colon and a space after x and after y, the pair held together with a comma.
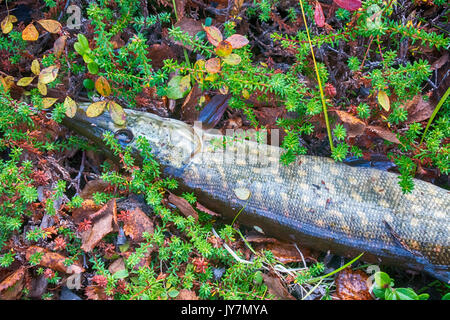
x: 315, y: 201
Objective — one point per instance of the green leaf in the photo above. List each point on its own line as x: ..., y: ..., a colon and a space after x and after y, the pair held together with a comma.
x: 178, y: 87
x: 89, y: 84
x: 382, y: 280
x: 173, y: 293
x: 93, y: 67
x: 121, y: 274
x: 232, y: 59
x: 446, y: 296
x: 406, y: 294
x: 83, y: 42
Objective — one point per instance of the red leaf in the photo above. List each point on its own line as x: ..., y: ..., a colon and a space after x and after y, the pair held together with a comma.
x: 318, y: 15
x: 350, y: 5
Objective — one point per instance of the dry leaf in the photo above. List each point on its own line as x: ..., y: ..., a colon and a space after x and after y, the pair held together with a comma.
x: 42, y: 88
x: 318, y: 15
x: 7, y: 23
x: 186, y: 294
x: 93, y: 186
x: 200, y: 207
x: 30, y: 33
x: 70, y: 106
x: 95, y: 109
x: 101, y: 226
x: 352, y: 285
x: 350, y: 5
x: 10, y: 280
x: 184, y: 206
x: 48, y: 102
x: 276, y: 287
x: 59, y: 45
x: 51, y: 26
x: 53, y: 260
x: 418, y: 109
x: 137, y: 223
x: 117, y: 114
x: 355, y: 126
x: 48, y: 74
x: 25, y: 81
x: 35, y: 67
x: 87, y: 209
x: 116, y: 266
x: 384, y: 133
x: 11, y: 287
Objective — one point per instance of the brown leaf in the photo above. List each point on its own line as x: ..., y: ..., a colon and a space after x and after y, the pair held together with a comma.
x: 418, y: 109
x: 352, y: 285
x: 53, y: 260
x: 284, y: 252
x: 184, y: 206
x: 137, y: 223
x: 117, y: 265
x: 93, y: 186
x: 12, y: 279
x: 186, y: 295
x: 101, y: 226
x: 191, y: 26
x: 30, y: 33
x: 276, y: 287
x: 200, y: 207
x: 87, y: 209
x: 384, y: 133
x: 355, y: 126
x: 440, y: 62
x: 59, y: 45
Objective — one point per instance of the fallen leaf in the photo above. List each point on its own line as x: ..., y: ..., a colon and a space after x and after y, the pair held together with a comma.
x: 88, y: 208
x: 352, y: 285
x: 275, y: 287
x: 70, y: 106
x: 10, y: 280
x: 93, y: 186
x: 25, y: 81
x: 242, y: 193
x: 35, y: 67
x: 59, y: 45
x: 318, y: 15
x: 116, y: 266
x: 214, y: 35
x: 191, y: 26
x: 178, y: 87
x: 117, y: 114
x: 350, y: 5
x: 186, y: 294
x: 101, y: 226
x: 418, y: 109
x: 30, y: 33
x: 384, y: 133
x: 48, y: 102
x: 184, y: 206
x: 7, y: 23
x: 95, y: 109
x: 42, y: 88
x: 137, y: 223
x: 48, y: 74
x: 53, y: 260
x: 102, y: 86
x: 200, y: 207
x: 51, y: 26
x: 440, y: 62
x: 383, y: 100
x: 355, y: 126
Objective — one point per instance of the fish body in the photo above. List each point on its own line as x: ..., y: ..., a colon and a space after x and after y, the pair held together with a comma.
x: 314, y: 201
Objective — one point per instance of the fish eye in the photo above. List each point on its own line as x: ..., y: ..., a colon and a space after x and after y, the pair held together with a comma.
x: 124, y: 136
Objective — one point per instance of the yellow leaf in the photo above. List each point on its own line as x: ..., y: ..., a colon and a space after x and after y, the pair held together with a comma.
x: 7, y: 82
x: 42, y: 88
x: 383, y: 100
x: 25, y: 81
x: 7, y: 23
x: 117, y: 114
x: 48, y: 102
x: 30, y: 33
x: 51, y: 26
x: 70, y: 106
x: 96, y: 109
x: 48, y: 74
x: 223, y: 49
x: 35, y: 68
x: 103, y: 87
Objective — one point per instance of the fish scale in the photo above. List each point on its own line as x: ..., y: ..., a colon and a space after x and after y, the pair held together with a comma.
x: 314, y: 201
